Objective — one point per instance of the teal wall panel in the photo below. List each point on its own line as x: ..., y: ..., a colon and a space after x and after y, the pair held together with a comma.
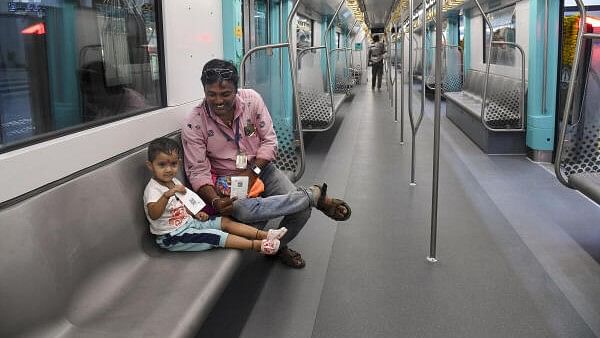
x: 233, y: 47
x: 541, y: 123
x: 62, y: 66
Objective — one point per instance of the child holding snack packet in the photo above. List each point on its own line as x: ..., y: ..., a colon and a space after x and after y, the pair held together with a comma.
x: 175, y: 215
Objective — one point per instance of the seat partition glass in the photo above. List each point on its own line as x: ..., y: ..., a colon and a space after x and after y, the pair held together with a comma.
x: 265, y: 68
x: 316, y: 111
x: 70, y: 65
x: 503, y: 26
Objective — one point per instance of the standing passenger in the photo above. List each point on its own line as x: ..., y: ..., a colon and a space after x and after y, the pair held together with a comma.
x: 376, y: 52
x: 231, y: 134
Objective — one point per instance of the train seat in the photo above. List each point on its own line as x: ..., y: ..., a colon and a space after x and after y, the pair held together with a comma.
x: 502, y: 112
x: 588, y: 184
x: 315, y: 109
x: 77, y: 260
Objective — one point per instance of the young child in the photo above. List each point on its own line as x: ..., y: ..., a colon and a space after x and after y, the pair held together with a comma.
x: 175, y: 227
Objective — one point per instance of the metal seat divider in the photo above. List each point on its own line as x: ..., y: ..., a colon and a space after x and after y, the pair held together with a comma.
x: 294, y: 83
x: 330, y: 93
x: 562, y: 178
x: 487, y: 75
x: 349, y: 76
x: 327, y: 57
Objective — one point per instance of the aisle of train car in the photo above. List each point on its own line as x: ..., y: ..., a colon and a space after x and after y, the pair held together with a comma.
x: 512, y: 264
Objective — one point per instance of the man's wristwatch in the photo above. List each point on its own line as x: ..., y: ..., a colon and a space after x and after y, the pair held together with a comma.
x: 256, y: 169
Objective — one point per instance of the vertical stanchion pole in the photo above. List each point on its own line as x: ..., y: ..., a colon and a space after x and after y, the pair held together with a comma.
x: 436, y: 131
x: 396, y: 76
x: 411, y: 74
x: 423, y: 56
x: 402, y: 69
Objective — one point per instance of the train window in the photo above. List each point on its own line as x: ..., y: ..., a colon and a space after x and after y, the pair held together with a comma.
x: 66, y: 66
x: 461, y: 29
x: 304, y: 32
x: 503, y: 27
x: 337, y: 39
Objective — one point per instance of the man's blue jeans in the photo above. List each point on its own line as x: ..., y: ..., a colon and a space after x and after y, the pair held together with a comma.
x: 280, y: 198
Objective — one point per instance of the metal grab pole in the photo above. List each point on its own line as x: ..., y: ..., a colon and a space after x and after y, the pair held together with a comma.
x: 436, y: 132
x: 410, y: 83
x: 569, y: 99
x: 327, y: 52
x: 293, y: 59
x: 252, y: 51
x: 396, y: 76
x: 423, y: 57
x: 415, y: 125
x: 402, y: 86
x: 391, y: 83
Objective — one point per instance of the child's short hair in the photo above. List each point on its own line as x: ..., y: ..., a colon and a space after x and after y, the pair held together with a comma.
x: 162, y: 145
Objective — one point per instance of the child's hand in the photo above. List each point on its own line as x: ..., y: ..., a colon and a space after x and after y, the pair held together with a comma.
x: 202, y: 216
x: 177, y: 188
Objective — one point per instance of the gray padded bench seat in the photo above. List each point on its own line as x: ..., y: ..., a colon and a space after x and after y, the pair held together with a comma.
x: 502, y: 112
x: 588, y: 184
x: 77, y: 260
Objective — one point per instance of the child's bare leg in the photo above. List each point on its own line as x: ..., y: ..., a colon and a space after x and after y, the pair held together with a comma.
x: 237, y: 242
x: 241, y: 229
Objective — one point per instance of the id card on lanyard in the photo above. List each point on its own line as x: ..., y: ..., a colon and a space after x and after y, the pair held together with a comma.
x: 241, y: 159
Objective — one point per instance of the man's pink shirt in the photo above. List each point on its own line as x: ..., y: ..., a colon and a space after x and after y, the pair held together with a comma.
x: 207, y: 149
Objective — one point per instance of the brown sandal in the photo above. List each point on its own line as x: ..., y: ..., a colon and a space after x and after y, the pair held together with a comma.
x: 291, y: 258
x: 331, y: 209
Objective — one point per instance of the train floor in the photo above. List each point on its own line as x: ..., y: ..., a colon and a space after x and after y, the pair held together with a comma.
x: 518, y: 253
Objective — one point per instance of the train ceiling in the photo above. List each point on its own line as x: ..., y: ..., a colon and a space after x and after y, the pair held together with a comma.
x: 376, y: 12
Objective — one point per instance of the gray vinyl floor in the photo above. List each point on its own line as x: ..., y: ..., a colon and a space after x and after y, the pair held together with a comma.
x: 517, y: 251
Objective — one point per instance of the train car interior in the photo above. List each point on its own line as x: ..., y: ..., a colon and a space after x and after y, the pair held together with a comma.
x: 473, y: 173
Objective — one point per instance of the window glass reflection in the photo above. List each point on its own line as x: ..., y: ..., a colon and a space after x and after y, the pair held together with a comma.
x: 503, y: 27
x: 304, y: 32
x: 65, y: 65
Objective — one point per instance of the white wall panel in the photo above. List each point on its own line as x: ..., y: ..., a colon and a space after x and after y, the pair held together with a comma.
x: 193, y: 35
x: 522, y: 38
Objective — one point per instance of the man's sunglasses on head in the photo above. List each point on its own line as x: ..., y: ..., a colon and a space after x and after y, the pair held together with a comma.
x: 218, y: 73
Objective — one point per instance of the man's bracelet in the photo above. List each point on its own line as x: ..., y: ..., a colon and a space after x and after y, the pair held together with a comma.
x: 213, y: 201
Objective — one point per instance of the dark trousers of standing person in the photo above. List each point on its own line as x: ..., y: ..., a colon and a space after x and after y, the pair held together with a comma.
x: 376, y: 74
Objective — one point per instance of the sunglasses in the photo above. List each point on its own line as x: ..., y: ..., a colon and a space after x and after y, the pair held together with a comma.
x: 218, y: 74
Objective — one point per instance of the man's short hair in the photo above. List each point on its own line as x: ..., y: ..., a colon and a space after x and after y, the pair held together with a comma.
x: 217, y: 70
x: 162, y: 145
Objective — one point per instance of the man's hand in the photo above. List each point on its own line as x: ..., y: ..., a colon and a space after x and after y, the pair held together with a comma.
x: 224, y: 205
